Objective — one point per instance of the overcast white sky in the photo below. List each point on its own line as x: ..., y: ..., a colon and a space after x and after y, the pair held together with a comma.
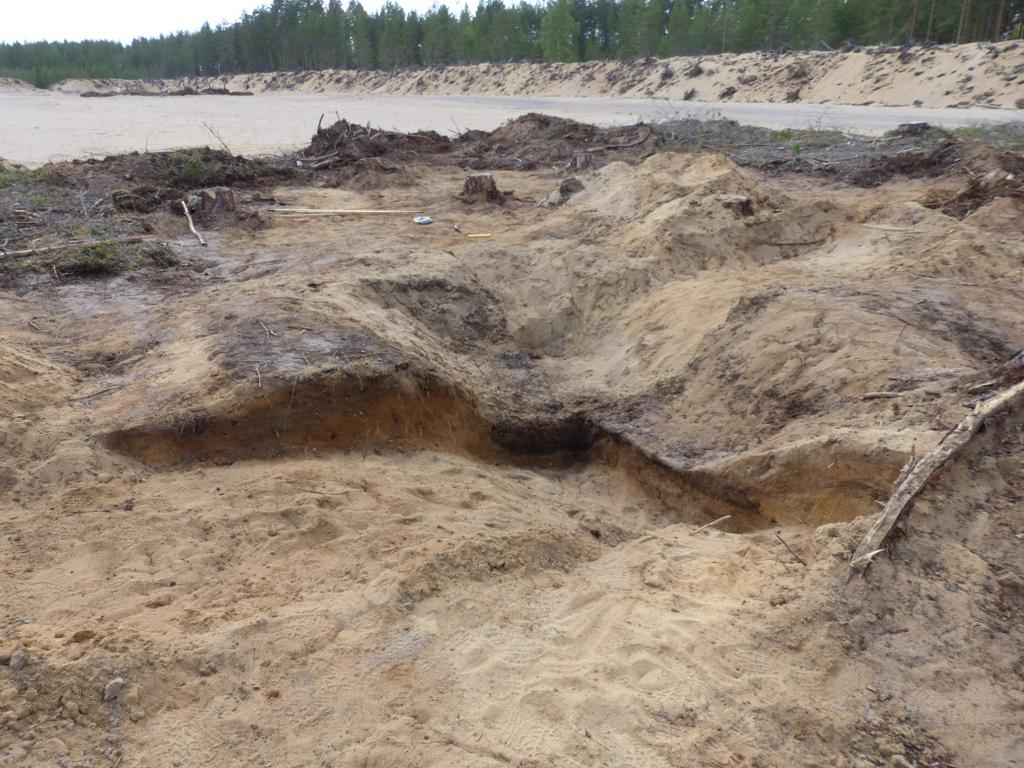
x: 30, y: 20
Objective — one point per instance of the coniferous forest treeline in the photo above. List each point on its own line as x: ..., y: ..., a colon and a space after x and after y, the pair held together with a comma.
x: 307, y: 34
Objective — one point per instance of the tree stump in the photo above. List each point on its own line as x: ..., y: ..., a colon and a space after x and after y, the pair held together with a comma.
x: 216, y: 202
x: 581, y: 161
x: 566, y: 189
x: 480, y: 186
x: 741, y: 205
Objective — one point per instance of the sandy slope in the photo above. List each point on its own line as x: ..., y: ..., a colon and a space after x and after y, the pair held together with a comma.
x: 13, y: 84
x: 294, y: 497
x: 940, y: 76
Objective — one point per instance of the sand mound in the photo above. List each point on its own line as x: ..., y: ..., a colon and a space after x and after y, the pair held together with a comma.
x: 13, y: 84
x: 934, y: 76
x: 700, y: 211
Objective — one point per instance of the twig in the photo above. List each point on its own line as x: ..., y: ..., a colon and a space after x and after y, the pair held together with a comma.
x: 881, y: 395
x: 269, y: 332
x: 218, y: 137
x: 93, y: 394
x: 713, y: 523
x: 790, y: 549
x: 259, y: 379
x: 192, y: 226
x: 318, y: 493
x: 884, y: 228
x: 797, y: 242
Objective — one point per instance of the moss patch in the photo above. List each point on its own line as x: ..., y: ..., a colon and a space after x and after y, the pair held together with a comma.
x: 96, y: 260
x: 10, y: 177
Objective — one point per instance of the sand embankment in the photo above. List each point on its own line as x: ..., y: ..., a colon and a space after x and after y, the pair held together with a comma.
x: 990, y: 74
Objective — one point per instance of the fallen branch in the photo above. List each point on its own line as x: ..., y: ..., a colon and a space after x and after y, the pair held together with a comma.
x: 191, y: 225
x: 794, y: 243
x: 712, y: 524
x: 926, y: 469
x: 324, y: 163
x: 334, y: 210
x: 881, y: 395
x: 629, y: 145
x: 885, y: 228
x: 982, y: 386
x: 71, y: 244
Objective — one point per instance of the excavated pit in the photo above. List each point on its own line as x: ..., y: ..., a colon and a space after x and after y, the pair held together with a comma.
x: 389, y: 414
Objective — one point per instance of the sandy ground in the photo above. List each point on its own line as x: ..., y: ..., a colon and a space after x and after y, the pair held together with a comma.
x: 42, y: 126
x: 357, y: 492
x: 939, y: 76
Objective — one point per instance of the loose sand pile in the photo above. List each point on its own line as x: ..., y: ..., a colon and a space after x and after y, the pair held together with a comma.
x: 13, y: 84
x: 358, y: 492
x: 938, y: 76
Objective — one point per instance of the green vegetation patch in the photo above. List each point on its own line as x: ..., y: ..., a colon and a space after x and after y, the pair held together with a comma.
x: 1008, y: 136
x: 11, y: 177
x: 207, y: 167
x: 95, y: 260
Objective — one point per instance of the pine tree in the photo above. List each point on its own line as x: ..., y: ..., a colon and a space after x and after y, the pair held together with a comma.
x: 651, y: 33
x: 439, y: 37
x: 628, y: 43
x: 301, y: 34
x: 679, y: 29
x: 364, y: 55
x: 560, y: 32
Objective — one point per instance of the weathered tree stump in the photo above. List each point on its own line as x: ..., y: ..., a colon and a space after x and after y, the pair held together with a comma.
x: 581, y: 161
x: 216, y: 202
x: 741, y: 205
x: 566, y: 189
x: 480, y: 186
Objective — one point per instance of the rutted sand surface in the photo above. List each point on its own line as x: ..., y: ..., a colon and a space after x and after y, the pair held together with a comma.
x: 304, y: 499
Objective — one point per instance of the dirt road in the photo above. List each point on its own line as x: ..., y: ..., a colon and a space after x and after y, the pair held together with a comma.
x: 41, y: 126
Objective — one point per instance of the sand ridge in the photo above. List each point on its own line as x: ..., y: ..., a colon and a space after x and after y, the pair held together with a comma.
x: 975, y: 74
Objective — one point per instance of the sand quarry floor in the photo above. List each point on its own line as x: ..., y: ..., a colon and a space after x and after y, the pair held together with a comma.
x: 353, y: 491
x: 46, y: 126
